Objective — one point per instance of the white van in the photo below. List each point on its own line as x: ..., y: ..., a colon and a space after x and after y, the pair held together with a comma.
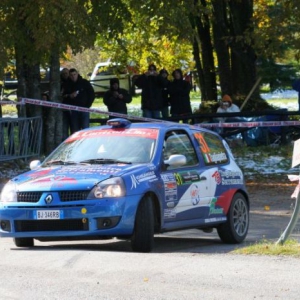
x: 103, y: 72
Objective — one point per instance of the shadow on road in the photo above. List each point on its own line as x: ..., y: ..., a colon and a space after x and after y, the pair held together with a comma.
x: 263, y: 226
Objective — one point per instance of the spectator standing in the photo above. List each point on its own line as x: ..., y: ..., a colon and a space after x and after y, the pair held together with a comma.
x: 165, y: 94
x: 151, y: 84
x: 116, y: 98
x: 179, y: 91
x: 79, y: 92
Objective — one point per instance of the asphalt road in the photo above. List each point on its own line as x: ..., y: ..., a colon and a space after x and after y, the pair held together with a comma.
x: 179, y: 268
x: 184, y: 265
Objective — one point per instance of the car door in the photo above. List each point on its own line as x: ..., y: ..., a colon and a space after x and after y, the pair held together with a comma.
x: 219, y: 172
x: 187, y: 189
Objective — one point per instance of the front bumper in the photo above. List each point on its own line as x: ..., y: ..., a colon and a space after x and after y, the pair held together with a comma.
x: 105, y: 217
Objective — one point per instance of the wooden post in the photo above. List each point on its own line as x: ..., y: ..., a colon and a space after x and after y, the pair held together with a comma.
x: 251, y: 92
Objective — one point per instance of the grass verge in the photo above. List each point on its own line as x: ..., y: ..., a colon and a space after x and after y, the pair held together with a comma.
x: 289, y: 248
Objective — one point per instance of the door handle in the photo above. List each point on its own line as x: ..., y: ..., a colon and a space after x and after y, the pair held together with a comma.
x: 203, y: 178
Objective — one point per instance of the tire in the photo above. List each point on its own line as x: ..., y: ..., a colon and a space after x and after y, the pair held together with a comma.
x: 235, y: 229
x: 142, y: 239
x: 24, y: 242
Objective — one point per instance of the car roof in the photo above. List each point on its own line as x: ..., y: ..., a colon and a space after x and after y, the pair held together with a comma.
x: 157, y: 125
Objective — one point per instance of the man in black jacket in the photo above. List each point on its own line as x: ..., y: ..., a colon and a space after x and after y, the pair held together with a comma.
x: 152, y: 84
x: 79, y: 92
x: 116, y: 98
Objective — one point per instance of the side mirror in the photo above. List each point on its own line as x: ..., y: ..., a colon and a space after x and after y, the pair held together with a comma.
x: 176, y: 160
x: 34, y: 164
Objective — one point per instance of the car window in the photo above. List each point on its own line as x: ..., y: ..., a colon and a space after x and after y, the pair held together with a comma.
x: 129, y: 145
x: 211, y: 148
x: 178, y: 142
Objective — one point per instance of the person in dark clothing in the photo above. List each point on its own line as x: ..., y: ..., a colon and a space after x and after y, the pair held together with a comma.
x: 116, y: 98
x: 179, y: 91
x: 151, y: 84
x: 79, y: 92
x: 165, y: 94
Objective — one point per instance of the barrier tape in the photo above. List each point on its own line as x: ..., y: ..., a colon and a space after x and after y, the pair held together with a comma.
x: 12, y: 102
x: 250, y: 124
x: 84, y: 109
x: 118, y: 115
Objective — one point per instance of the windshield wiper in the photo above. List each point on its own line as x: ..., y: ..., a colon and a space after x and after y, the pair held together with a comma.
x: 105, y: 161
x: 60, y: 162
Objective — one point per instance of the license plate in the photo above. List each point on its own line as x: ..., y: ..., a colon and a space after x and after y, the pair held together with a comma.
x: 48, y: 215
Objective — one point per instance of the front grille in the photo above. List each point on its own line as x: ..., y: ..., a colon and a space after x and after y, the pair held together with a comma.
x: 66, y: 196
x: 51, y: 225
x: 32, y: 197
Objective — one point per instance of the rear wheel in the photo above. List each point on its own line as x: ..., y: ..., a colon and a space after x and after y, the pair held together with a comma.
x: 236, y: 227
x: 142, y: 239
x: 24, y: 242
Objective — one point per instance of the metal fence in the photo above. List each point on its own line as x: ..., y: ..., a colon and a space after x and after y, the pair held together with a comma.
x: 20, y: 138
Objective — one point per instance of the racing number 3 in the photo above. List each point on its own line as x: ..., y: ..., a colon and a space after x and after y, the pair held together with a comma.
x: 203, y: 145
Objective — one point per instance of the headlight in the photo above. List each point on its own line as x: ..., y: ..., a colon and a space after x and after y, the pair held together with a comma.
x: 110, y: 188
x: 9, y: 192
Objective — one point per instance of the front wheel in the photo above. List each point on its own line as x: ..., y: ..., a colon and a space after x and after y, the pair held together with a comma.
x: 142, y: 239
x: 24, y: 242
x: 235, y: 229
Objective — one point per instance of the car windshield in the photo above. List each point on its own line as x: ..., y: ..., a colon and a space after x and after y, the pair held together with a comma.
x: 104, y: 147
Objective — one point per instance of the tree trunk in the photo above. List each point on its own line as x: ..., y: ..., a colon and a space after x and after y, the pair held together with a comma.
x: 203, y: 28
x: 53, y: 120
x: 242, y: 53
x: 200, y: 74
x: 22, y: 86
x: 220, y: 33
x: 34, y: 89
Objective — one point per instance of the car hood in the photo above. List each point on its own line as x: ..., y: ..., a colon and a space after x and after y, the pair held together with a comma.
x: 78, y: 177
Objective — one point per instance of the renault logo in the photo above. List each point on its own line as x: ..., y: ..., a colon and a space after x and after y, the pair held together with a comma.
x: 48, y: 199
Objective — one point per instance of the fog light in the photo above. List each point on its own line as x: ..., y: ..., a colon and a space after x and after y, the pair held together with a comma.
x: 5, y: 225
x: 105, y: 223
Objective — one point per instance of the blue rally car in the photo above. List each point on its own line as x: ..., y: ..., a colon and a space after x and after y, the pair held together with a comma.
x: 128, y: 180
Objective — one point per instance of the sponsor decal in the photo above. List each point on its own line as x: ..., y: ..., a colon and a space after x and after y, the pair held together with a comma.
x: 52, y: 179
x: 134, y: 182
x: 38, y: 174
x: 170, y: 186
x: 195, y: 194
x: 148, y: 176
x: 211, y: 220
x: 218, y: 157
x: 169, y: 213
x: 187, y: 177
x: 217, y: 177
x: 214, y: 157
x: 212, y: 208
x: 140, y: 132
x: 231, y: 177
x: 89, y: 170
x: 207, y: 158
